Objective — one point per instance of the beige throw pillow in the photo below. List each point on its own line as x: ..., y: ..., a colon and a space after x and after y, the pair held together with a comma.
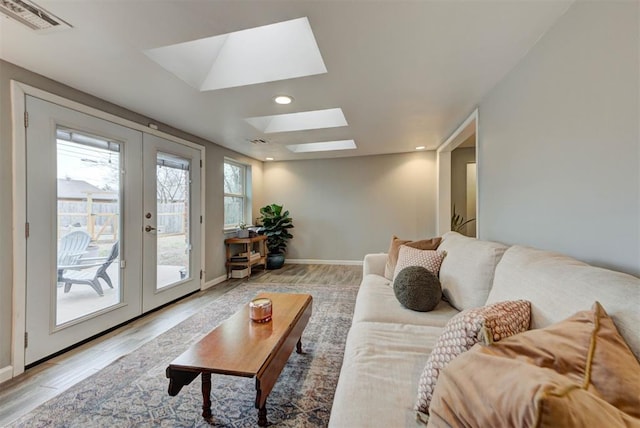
x: 394, y: 248
x: 486, y: 324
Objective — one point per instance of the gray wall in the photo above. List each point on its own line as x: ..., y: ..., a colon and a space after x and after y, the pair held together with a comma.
x: 559, y: 146
x: 214, y: 263
x: 345, y: 208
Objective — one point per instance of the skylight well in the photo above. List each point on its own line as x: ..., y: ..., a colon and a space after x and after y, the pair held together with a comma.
x: 326, y: 146
x: 316, y: 119
x: 284, y: 50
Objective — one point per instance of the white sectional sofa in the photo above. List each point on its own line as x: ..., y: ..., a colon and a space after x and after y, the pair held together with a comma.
x: 388, y: 345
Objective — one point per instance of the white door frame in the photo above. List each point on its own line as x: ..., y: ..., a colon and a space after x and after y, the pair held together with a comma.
x: 443, y: 168
x: 19, y: 197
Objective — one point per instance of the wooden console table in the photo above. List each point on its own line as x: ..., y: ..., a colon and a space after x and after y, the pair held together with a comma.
x: 248, y: 245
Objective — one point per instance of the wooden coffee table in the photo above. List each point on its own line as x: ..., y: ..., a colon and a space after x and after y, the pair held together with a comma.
x: 241, y: 347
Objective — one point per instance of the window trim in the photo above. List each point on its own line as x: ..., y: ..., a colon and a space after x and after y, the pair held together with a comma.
x: 246, y: 196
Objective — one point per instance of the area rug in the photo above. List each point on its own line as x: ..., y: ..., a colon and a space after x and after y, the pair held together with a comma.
x: 132, y: 391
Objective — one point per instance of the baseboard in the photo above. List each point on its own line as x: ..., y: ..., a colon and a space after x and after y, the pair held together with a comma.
x: 6, y: 373
x: 323, y: 262
x: 214, y: 281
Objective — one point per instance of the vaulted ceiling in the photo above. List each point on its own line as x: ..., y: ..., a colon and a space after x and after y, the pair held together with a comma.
x: 404, y: 73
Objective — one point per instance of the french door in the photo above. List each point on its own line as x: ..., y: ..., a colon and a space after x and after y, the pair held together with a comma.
x: 113, y: 221
x: 171, y: 244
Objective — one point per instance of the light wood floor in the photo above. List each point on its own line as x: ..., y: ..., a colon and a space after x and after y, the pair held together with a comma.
x: 39, y: 384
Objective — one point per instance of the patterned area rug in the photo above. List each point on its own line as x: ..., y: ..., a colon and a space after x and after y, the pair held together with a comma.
x: 132, y: 391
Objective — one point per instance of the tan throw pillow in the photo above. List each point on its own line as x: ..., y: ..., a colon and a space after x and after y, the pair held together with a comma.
x: 487, y: 324
x: 394, y: 247
x: 588, y: 349
x: 578, y: 372
x: 484, y: 390
x: 428, y: 259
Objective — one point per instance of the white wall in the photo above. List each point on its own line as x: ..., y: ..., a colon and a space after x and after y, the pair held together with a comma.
x: 214, y: 220
x: 559, y: 141
x: 345, y: 208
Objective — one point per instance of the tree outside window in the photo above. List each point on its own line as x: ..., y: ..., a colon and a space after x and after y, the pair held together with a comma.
x: 235, y: 194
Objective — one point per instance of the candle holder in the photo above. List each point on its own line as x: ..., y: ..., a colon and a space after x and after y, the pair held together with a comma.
x: 260, y: 310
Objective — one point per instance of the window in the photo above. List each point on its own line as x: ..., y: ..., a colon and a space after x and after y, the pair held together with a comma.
x: 235, y: 194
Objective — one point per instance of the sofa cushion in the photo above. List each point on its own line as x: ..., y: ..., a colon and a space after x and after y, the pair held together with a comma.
x: 485, y: 324
x: 418, y: 289
x: 428, y: 259
x: 467, y: 271
x: 484, y: 390
x: 376, y: 302
x: 377, y: 381
x: 394, y: 247
x: 574, y: 364
x: 558, y: 286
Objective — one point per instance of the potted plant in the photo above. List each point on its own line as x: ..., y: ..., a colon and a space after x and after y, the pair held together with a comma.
x: 275, y: 225
x: 458, y: 222
x: 243, y: 232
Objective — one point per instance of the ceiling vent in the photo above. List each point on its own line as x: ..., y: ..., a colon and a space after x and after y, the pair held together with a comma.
x: 259, y: 141
x: 32, y: 15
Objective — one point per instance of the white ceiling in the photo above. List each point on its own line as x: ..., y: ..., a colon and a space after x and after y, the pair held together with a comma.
x: 405, y: 73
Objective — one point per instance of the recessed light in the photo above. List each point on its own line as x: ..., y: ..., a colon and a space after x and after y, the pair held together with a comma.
x: 283, y: 99
x: 269, y: 158
x: 420, y: 148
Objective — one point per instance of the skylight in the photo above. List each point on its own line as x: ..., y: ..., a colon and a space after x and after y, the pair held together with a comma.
x: 284, y: 50
x: 317, y: 119
x: 326, y: 146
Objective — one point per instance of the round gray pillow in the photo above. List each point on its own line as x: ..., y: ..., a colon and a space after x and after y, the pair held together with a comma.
x: 417, y: 289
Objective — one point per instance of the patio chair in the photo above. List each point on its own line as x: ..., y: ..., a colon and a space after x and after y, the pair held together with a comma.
x: 72, y: 246
x: 90, y: 273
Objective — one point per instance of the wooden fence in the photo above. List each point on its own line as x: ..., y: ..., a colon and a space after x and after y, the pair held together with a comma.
x: 101, y: 219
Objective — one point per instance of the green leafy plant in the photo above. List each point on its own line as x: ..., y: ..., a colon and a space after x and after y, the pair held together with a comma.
x: 458, y: 222
x: 242, y: 225
x: 276, y: 225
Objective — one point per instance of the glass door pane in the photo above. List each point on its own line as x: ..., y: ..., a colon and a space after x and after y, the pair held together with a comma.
x: 88, y: 225
x: 83, y: 192
x: 172, y: 208
x: 172, y: 250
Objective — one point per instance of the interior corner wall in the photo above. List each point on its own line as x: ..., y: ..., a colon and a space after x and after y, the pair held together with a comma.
x: 345, y: 208
x: 559, y: 141
x: 214, y: 220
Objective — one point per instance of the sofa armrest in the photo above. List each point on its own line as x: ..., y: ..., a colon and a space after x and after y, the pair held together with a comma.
x: 374, y: 263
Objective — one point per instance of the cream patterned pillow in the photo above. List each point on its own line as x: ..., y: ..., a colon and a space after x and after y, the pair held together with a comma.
x: 428, y: 259
x: 486, y: 325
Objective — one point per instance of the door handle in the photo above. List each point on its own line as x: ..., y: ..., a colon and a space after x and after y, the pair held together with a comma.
x: 149, y: 228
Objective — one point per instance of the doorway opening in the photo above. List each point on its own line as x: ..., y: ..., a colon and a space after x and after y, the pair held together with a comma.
x: 457, y: 165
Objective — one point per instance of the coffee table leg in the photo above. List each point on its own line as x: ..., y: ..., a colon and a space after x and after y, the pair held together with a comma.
x: 299, y: 346
x: 206, y: 395
x: 262, y: 416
